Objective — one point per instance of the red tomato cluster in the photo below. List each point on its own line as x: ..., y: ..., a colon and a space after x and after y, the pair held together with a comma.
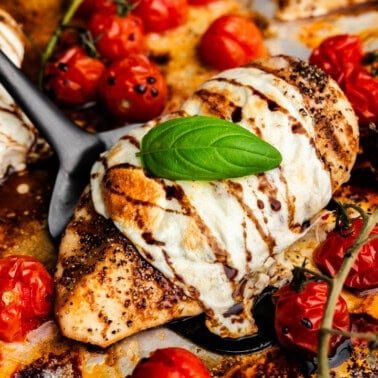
x: 115, y: 69
x: 341, y: 57
x: 26, y: 296
x: 299, y: 311
x: 171, y: 363
x: 117, y: 72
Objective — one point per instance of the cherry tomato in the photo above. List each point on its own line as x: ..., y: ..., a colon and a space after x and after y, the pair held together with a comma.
x: 298, y: 316
x: 231, y: 41
x: 133, y: 89
x: 361, y: 90
x: 330, y: 254
x: 26, y: 296
x: 73, y: 78
x: 171, y: 363
x: 88, y: 7
x: 116, y: 35
x: 201, y: 2
x: 161, y: 15
x: 341, y: 57
x: 338, y: 55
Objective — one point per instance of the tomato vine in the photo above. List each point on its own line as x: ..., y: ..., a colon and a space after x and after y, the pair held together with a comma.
x: 336, y: 285
x: 50, y: 47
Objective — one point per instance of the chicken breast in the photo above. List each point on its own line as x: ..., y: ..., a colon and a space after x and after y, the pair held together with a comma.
x: 105, y: 290
x: 20, y: 142
x: 220, y: 242
x: 289, y: 10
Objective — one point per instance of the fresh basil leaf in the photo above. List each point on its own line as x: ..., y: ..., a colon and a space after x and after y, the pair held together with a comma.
x: 205, y: 148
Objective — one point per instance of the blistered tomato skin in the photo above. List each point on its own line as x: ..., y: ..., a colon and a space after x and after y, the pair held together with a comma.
x: 88, y: 7
x: 161, y: 15
x: 73, y: 77
x: 298, y: 317
x: 171, y: 363
x: 133, y: 89
x: 364, y: 272
x: 231, y: 41
x: 26, y: 296
x: 117, y: 36
x: 341, y: 57
x: 338, y: 55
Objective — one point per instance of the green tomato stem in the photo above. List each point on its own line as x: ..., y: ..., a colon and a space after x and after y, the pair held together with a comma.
x: 359, y: 335
x: 336, y: 286
x: 70, y: 12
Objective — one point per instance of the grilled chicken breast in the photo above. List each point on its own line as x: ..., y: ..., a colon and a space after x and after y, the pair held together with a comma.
x: 289, y: 10
x: 105, y: 290
x: 218, y: 244
x: 20, y: 143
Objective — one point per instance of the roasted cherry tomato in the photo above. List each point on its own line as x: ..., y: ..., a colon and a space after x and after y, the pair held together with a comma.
x: 26, y: 296
x: 361, y: 90
x: 338, y: 55
x: 329, y: 256
x: 88, y: 7
x: 341, y: 57
x: 73, y: 77
x: 171, y: 363
x: 133, y: 89
x: 161, y: 15
x: 117, y: 35
x: 201, y: 2
x: 231, y: 41
x: 299, y: 313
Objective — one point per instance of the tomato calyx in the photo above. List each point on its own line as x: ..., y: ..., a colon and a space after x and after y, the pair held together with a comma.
x: 343, y: 222
x: 124, y: 7
x: 370, y: 62
x: 301, y: 277
x: 88, y: 43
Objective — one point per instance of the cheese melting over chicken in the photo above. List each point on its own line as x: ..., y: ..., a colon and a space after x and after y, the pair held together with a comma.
x: 19, y: 140
x: 222, y: 241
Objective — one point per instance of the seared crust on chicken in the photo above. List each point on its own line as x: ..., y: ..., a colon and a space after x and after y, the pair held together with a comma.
x: 105, y: 291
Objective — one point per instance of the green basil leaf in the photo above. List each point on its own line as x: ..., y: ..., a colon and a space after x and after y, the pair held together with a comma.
x: 205, y: 148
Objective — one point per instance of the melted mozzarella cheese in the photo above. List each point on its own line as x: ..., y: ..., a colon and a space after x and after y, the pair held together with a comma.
x: 222, y: 241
